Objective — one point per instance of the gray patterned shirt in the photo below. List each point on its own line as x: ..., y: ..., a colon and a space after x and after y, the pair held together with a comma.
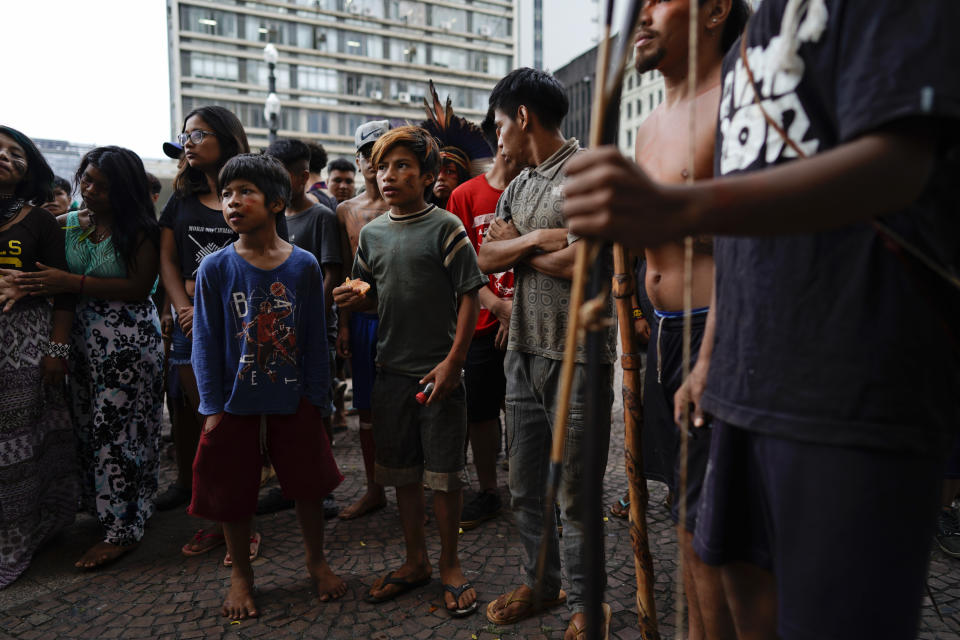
x: 538, y: 325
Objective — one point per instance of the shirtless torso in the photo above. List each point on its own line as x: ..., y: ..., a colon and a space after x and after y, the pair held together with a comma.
x: 662, y: 150
x: 353, y: 215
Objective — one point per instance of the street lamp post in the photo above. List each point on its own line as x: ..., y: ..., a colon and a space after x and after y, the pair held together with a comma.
x: 271, y: 109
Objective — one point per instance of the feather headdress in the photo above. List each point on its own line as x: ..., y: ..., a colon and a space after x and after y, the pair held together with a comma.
x: 461, y: 141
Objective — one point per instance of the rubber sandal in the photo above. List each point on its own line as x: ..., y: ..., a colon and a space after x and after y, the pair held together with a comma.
x: 206, y: 542
x: 459, y: 612
x: 255, y: 541
x: 582, y: 631
x: 404, y: 584
x: 530, y: 610
x: 624, y: 508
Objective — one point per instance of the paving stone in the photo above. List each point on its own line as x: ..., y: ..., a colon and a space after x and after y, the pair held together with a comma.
x: 155, y: 592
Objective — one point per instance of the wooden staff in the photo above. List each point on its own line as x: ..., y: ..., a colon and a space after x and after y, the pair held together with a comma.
x: 624, y: 286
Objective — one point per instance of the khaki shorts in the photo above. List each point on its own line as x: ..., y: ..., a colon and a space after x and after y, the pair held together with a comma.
x: 414, y: 442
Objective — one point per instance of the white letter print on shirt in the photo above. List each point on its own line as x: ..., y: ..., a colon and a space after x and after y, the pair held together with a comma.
x: 240, y: 304
x: 777, y: 70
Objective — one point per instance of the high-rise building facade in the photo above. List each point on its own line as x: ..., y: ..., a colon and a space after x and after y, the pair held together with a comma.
x: 577, y: 78
x: 341, y: 62
x: 642, y: 93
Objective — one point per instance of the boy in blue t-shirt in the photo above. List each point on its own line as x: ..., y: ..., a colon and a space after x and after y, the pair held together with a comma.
x: 260, y: 357
x: 423, y: 279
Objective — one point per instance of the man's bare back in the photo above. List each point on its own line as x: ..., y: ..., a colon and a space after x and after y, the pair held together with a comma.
x: 662, y: 151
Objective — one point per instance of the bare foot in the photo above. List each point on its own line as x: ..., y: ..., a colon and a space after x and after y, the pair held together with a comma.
x: 239, y: 604
x: 455, y: 578
x: 368, y: 503
x: 102, y: 553
x: 329, y: 585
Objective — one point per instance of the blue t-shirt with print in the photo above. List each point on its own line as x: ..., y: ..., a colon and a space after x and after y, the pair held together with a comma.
x: 259, y: 341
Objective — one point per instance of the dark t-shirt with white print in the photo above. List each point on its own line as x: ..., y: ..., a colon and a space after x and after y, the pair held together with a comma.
x: 824, y: 337
x: 199, y: 231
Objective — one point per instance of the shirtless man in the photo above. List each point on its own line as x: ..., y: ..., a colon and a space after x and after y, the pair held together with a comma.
x: 357, y: 338
x: 661, y: 42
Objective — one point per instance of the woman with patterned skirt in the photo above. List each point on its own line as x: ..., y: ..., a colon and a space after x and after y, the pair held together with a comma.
x: 112, y: 249
x: 38, y: 470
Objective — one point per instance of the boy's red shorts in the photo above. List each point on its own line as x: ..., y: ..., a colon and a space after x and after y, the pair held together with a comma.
x: 226, y: 471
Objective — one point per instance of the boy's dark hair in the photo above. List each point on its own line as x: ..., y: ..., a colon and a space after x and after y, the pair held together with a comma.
x: 154, y: 183
x: 341, y: 164
x: 289, y: 152
x: 418, y: 140
x: 266, y: 172
x: 735, y: 24
x: 37, y: 184
x: 489, y: 130
x: 229, y: 133
x: 318, y: 156
x: 537, y: 90
x: 63, y: 184
x: 135, y: 218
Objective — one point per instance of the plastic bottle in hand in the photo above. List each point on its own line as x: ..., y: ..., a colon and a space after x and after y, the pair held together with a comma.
x: 422, y: 396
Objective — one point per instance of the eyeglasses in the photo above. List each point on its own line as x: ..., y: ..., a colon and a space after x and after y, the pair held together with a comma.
x: 196, y: 136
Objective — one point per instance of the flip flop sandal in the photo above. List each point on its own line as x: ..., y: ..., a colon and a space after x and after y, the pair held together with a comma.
x: 205, y: 543
x: 530, y: 610
x: 581, y: 632
x: 404, y: 584
x: 255, y: 540
x: 459, y: 612
x: 624, y: 508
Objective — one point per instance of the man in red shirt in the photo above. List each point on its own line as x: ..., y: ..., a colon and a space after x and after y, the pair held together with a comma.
x: 475, y: 203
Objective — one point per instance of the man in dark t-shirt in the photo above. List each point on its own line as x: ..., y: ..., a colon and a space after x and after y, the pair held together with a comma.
x: 312, y: 227
x: 827, y: 363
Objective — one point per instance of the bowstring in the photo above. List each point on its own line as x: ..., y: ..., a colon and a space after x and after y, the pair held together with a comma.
x: 692, y: 48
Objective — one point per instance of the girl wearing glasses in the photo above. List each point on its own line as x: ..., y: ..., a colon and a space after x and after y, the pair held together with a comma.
x: 38, y: 471
x: 192, y: 227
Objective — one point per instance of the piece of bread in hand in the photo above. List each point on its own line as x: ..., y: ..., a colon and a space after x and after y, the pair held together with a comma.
x: 360, y: 287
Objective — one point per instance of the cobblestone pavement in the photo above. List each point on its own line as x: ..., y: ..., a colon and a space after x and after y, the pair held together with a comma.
x: 154, y: 592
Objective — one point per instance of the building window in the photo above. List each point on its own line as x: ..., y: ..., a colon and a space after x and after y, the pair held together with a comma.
x: 205, y: 65
x: 629, y: 137
x: 639, y: 107
x: 659, y: 96
x: 449, y: 19
x: 413, y: 13
x: 215, y: 23
x: 491, y: 26
x: 318, y: 122
x: 629, y: 81
x: 406, y: 51
x: 448, y: 57
x: 629, y: 110
x: 651, y: 101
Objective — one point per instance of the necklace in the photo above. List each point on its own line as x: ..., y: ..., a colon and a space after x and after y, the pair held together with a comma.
x: 94, y: 232
x: 10, y: 206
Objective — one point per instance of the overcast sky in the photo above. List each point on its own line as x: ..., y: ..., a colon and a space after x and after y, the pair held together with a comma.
x: 95, y: 71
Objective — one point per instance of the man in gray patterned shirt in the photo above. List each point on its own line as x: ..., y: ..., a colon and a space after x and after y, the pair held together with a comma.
x: 529, y: 235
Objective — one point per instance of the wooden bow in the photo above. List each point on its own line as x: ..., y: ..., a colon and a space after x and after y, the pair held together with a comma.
x: 586, y: 317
